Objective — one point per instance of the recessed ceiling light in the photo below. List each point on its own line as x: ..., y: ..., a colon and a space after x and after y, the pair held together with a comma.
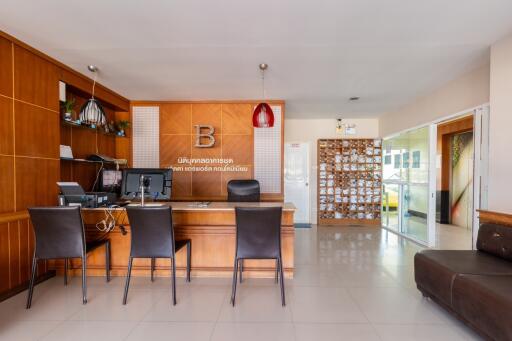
x: 355, y: 98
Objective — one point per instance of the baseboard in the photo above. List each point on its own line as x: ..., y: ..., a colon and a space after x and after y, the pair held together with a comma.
x: 22, y: 287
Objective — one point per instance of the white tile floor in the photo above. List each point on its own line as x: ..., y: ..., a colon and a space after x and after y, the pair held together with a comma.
x: 351, y: 283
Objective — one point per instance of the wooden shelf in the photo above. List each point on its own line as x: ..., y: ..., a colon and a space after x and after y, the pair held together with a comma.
x: 86, y: 161
x: 83, y: 126
x: 349, y: 181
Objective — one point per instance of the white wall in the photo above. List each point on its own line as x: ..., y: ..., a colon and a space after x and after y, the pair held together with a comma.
x: 500, y: 142
x: 310, y: 130
x: 465, y: 92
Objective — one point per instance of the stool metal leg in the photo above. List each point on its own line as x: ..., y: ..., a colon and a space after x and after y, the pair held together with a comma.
x: 152, y: 269
x: 277, y: 270
x: 84, y: 279
x: 107, y: 259
x: 241, y: 269
x: 283, y: 301
x: 65, y: 271
x: 189, y: 259
x: 32, y: 280
x: 233, y: 288
x: 173, y: 261
x: 128, y: 275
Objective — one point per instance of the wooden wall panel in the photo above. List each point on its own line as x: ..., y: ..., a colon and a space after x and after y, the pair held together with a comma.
x: 237, y: 118
x: 239, y: 148
x: 36, y: 182
x: 4, y: 258
x: 172, y: 147
x: 7, y: 183
x: 106, y: 144
x: 35, y: 79
x: 30, y: 134
x: 37, y: 131
x: 6, y: 126
x: 124, y: 145
x: 181, y: 184
x: 234, y: 139
x: 14, y: 252
x: 83, y: 142
x: 206, y: 184
x: 5, y: 67
x: 175, y: 118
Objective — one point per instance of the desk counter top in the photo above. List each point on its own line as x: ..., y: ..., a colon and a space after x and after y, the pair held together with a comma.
x: 212, y: 206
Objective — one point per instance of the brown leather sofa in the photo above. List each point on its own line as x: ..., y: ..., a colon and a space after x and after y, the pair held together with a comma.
x: 475, y: 286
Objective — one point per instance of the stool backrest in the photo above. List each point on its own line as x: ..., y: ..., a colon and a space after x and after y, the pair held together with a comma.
x: 152, y: 233
x: 258, y: 232
x: 59, y: 232
x: 243, y: 191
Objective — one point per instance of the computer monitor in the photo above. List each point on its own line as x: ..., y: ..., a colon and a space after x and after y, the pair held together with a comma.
x: 157, y: 183
x: 111, y: 180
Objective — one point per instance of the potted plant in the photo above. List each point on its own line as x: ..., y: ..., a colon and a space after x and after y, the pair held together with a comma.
x: 68, y: 107
x: 122, y: 125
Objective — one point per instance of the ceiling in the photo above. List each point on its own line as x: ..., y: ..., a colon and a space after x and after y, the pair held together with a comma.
x: 319, y: 52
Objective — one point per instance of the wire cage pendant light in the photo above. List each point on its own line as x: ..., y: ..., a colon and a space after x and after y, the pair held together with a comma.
x: 263, y: 116
x: 92, y: 113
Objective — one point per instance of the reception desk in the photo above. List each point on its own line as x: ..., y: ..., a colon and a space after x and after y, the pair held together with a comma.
x: 212, y: 230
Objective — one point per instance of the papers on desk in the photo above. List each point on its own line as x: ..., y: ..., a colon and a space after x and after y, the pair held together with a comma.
x: 200, y: 204
x: 149, y: 204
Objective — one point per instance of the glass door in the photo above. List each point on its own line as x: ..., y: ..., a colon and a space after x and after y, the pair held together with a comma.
x: 406, y: 202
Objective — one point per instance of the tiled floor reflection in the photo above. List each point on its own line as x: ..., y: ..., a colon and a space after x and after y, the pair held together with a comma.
x: 351, y: 283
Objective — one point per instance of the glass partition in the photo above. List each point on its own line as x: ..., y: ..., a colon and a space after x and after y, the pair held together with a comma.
x: 405, y: 201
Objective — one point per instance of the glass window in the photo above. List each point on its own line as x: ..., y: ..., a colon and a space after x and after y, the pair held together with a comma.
x: 405, y: 159
x: 397, y: 161
x: 387, y: 159
x: 416, y: 159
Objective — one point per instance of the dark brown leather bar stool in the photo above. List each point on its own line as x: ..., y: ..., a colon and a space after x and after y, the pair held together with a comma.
x: 59, y: 234
x: 152, y: 236
x: 243, y: 190
x: 258, y: 236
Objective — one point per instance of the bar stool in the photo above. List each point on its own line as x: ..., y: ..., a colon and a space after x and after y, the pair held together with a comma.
x: 152, y: 236
x: 59, y: 234
x: 258, y: 236
x: 243, y: 190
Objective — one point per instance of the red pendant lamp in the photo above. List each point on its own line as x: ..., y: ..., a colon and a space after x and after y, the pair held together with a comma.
x: 263, y: 116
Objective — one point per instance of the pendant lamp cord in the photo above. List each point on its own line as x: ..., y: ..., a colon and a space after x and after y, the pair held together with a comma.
x: 94, y: 83
x: 263, y: 83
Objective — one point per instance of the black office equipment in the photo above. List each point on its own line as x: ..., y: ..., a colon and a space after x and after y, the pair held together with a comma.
x: 157, y: 183
x: 72, y: 194
x: 111, y: 180
x: 101, y: 158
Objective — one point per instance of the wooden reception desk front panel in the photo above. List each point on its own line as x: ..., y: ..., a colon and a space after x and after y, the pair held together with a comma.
x: 212, y: 230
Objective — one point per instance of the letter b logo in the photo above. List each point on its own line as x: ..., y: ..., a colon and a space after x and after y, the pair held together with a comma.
x: 201, y: 136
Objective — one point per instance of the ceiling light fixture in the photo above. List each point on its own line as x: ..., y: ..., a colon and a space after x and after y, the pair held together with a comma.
x: 92, y: 112
x: 263, y: 116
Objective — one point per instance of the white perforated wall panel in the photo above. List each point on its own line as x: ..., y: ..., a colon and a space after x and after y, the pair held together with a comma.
x: 146, y: 137
x: 267, y: 155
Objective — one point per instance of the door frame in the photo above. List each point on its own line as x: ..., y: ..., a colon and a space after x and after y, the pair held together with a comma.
x: 308, y: 175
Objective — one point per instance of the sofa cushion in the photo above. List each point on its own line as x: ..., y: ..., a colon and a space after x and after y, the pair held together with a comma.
x: 495, y: 239
x: 486, y: 302
x: 435, y: 270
